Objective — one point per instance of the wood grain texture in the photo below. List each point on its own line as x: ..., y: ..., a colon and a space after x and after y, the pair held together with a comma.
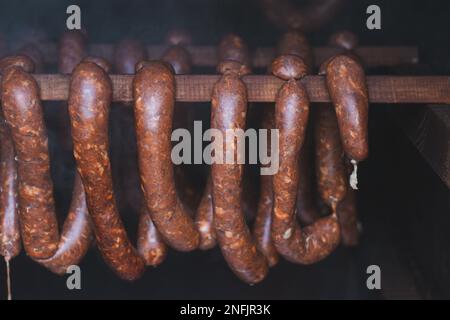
x: 197, y: 88
x: 428, y: 128
x: 206, y: 56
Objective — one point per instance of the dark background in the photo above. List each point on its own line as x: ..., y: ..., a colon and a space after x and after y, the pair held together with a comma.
x: 404, y: 207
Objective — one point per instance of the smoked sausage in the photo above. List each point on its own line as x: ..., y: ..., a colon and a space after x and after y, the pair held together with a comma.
x: 318, y: 240
x: 89, y: 102
x: 228, y: 112
x: 39, y: 229
x: 154, y: 95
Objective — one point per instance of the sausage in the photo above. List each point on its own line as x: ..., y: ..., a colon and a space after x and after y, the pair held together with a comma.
x: 330, y: 169
x: 296, y: 43
x: 228, y: 111
x: 150, y: 245
x: 347, y: 87
x: 89, y: 102
x: 316, y: 13
x: 307, y: 211
x: 263, y: 221
x: 10, y: 243
x: 39, y: 229
x: 318, y: 240
x: 348, y: 219
x: 23, y: 112
x: 348, y: 216
x: 154, y: 95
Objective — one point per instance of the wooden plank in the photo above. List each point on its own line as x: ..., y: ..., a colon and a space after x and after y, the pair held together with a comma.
x: 198, y: 88
x: 428, y: 128
x: 206, y: 56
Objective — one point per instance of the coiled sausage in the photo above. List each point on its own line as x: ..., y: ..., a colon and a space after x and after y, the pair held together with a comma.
x: 228, y: 111
x: 154, y: 95
x: 263, y: 222
x: 291, y: 115
x: 89, y: 101
x: 39, y: 229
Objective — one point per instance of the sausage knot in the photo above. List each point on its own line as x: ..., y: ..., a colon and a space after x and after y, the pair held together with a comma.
x: 287, y: 67
x: 233, y: 67
x: 19, y: 61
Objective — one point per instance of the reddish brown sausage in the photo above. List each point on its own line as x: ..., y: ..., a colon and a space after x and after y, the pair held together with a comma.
x: 23, y: 112
x: 39, y: 229
x: 296, y: 43
x: 263, y: 222
x: 317, y: 241
x: 10, y: 242
x: 347, y: 87
x: 89, y: 102
x: 330, y: 169
x: 307, y: 211
x: 154, y: 95
x: 151, y: 246
x: 229, y: 111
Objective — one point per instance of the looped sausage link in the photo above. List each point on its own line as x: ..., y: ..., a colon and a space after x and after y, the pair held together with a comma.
x: 10, y: 242
x: 89, y: 102
x: 154, y: 95
x: 228, y: 111
x: 347, y: 87
x: 23, y: 112
x: 263, y: 222
x: 150, y: 245
x: 318, y: 240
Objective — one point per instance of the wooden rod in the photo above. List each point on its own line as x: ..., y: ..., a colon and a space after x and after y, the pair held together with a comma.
x: 263, y: 88
x: 206, y: 56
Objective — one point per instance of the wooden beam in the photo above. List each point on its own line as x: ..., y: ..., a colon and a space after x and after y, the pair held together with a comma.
x: 428, y: 128
x: 261, y: 88
x: 206, y: 56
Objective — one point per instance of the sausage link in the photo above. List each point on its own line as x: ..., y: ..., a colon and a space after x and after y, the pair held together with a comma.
x: 23, y: 112
x: 307, y: 211
x: 296, y: 43
x: 154, y: 95
x: 39, y: 229
x: 89, y: 102
x: 150, y: 246
x: 318, y: 240
x: 348, y: 216
x: 263, y: 221
x: 10, y: 242
x: 228, y: 112
x: 347, y: 87
x: 330, y: 169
